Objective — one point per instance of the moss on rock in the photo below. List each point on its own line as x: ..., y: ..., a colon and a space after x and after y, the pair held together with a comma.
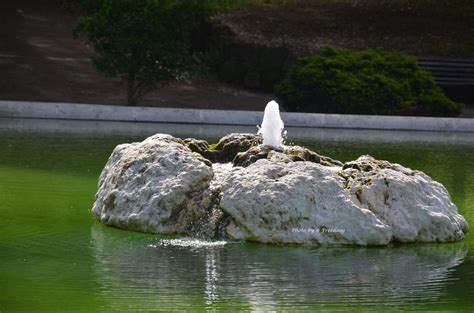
x: 290, y: 154
x: 229, y: 146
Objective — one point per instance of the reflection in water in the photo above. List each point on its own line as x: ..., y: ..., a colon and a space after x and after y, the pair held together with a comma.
x: 261, y: 276
x: 211, y: 277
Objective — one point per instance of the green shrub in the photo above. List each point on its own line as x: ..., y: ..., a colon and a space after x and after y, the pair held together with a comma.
x: 363, y: 82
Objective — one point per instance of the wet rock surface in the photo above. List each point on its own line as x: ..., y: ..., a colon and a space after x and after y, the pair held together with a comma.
x: 169, y: 185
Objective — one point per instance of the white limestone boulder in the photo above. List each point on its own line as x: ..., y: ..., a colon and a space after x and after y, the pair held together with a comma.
x: 156, y: 186
x: 366, y: 202
x: 417, y: 208
x: 297, y: 202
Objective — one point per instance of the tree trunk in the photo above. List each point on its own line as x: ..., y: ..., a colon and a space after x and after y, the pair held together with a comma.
x: 131, y: 89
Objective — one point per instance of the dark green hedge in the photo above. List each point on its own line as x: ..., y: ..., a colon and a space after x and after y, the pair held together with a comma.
x: 363, y: 82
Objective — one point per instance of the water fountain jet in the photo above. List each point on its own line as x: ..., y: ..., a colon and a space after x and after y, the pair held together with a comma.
x: 272, y: 126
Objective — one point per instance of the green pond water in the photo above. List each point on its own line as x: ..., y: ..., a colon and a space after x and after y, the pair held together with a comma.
x: 54, y: 257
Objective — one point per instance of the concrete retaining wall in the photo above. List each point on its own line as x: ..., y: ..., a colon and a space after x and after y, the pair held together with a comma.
x: 20, y: 109
x: 210, y: 132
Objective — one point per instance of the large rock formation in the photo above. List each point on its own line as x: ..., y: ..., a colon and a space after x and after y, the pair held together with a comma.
x: 156, y: 186
x: 166, y: 185
x: 297, y: 202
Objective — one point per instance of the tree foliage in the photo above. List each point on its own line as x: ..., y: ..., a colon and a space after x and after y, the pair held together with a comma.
x: 144, y: 43
x: 363, y: 82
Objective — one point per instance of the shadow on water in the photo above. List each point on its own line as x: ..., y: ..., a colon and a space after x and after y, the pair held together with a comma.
x: 158, y: 273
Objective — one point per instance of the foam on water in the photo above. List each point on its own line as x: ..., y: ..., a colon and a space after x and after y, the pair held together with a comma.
x: 190, y: 243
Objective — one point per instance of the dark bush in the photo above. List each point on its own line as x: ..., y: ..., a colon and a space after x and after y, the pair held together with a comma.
x: 363, y: 82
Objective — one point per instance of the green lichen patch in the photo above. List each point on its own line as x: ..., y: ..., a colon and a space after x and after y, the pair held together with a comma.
x: 196, y: 145
x: 202, y: 159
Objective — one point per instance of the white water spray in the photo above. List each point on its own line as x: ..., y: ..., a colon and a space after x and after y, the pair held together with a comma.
x: 272, y: 126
